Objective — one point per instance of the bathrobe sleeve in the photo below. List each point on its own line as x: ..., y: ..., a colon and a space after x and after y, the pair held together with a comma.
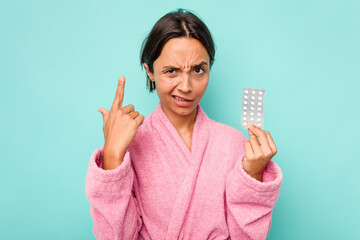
x: 113, y: 206
x: 249, y: 202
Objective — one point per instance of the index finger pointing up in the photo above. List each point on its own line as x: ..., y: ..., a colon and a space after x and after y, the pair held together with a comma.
x: 119, y: 96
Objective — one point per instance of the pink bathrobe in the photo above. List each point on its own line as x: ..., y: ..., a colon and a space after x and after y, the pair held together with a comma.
x: 162, y: 190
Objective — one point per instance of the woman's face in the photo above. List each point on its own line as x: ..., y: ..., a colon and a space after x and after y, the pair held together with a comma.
x: 182, y: 69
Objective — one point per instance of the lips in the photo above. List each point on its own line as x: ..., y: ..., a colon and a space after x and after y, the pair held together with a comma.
x: 182, y: 103
x: 182, y: 97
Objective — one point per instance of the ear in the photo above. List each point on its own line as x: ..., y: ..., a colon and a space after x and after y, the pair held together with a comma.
x: 150, y: 75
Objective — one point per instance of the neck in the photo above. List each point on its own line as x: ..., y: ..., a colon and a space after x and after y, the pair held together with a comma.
x: 181, y: 123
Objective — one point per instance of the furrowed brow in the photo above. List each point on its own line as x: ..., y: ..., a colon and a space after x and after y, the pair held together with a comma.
x: 173, y: 67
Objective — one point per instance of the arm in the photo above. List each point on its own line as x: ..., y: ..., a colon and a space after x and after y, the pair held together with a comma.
x: 113, y: 207
x: 249, y: 202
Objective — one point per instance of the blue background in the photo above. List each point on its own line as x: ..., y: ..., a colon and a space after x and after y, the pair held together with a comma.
x: 60, y: 61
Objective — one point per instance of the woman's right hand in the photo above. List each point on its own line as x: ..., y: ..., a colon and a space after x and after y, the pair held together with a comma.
x: 120, y: 126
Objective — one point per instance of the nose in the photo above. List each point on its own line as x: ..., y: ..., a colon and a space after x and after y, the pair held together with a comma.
x: 185, y: 84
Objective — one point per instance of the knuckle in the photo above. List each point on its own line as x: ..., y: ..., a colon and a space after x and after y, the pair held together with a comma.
x: 252, y: 158
x: 258, y: 155
x: 248, y: 156
x: 127, y: 117
x: 268, y: 153
x: 121, y: 111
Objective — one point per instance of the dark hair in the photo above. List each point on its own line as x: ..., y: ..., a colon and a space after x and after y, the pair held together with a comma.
x: 178, y: 23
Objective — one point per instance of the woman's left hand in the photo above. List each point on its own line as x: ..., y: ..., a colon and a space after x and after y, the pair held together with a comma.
x: 259, y: 150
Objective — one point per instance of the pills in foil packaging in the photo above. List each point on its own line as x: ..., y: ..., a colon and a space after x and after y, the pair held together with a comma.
x: 252, y: 107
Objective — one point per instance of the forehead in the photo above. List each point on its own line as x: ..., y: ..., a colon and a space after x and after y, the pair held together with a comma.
x: 183, y: 51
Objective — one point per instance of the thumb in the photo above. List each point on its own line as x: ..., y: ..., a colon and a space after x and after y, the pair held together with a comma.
x: 104, y: 113
x: 251, y: 133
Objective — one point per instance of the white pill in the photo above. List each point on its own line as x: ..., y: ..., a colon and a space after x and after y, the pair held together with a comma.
x: 251, y: 113
x: 251, y: 119
x: 246, y: 91
x: 245, y: 102
x: 259, y: 103
x: 245, y: 107
x: 253, y: 92
x: 244, y: 113
x: 252, y: 103
x: 259, y: 108
x: 260, y: 98
x: 259, y: 124
x: 244, y: 124
x: 259, y: 119
x: 260, y: 93
x: 246, y: 97
x: 244, y: 118
x: 252, y: 108
x: 252, y: 97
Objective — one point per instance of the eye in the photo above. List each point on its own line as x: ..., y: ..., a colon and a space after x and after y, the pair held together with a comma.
x: 199, y: 68
x: 170, y: 70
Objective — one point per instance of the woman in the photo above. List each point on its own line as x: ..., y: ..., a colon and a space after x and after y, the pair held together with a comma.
x: 177, y: 174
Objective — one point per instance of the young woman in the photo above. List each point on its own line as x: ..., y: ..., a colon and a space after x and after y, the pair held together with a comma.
x: 177, y: 174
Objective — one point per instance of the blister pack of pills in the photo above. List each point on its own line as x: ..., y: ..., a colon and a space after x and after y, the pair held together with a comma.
x: 252, y: 107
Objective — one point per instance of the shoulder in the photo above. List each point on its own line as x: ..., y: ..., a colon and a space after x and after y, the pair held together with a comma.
x: 226, y: 132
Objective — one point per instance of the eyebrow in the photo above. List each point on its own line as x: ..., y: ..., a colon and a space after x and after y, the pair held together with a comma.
x: 197, y: 65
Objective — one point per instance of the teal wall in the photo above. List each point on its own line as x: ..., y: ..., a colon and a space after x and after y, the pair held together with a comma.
x: 60, y: 61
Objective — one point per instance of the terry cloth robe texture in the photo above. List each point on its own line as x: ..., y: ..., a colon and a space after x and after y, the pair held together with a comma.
x: 162, y: 190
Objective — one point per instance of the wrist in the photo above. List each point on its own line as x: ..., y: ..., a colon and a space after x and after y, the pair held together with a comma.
x: 258, y: 176
x: 112, y: 160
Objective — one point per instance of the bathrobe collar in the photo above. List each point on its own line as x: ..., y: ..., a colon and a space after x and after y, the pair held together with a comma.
x: 200, y: 136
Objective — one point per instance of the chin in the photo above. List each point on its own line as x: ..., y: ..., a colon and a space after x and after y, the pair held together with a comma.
x: 184, y: 111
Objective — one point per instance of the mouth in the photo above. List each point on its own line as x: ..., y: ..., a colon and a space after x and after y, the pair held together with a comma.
x: 181, y: 98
